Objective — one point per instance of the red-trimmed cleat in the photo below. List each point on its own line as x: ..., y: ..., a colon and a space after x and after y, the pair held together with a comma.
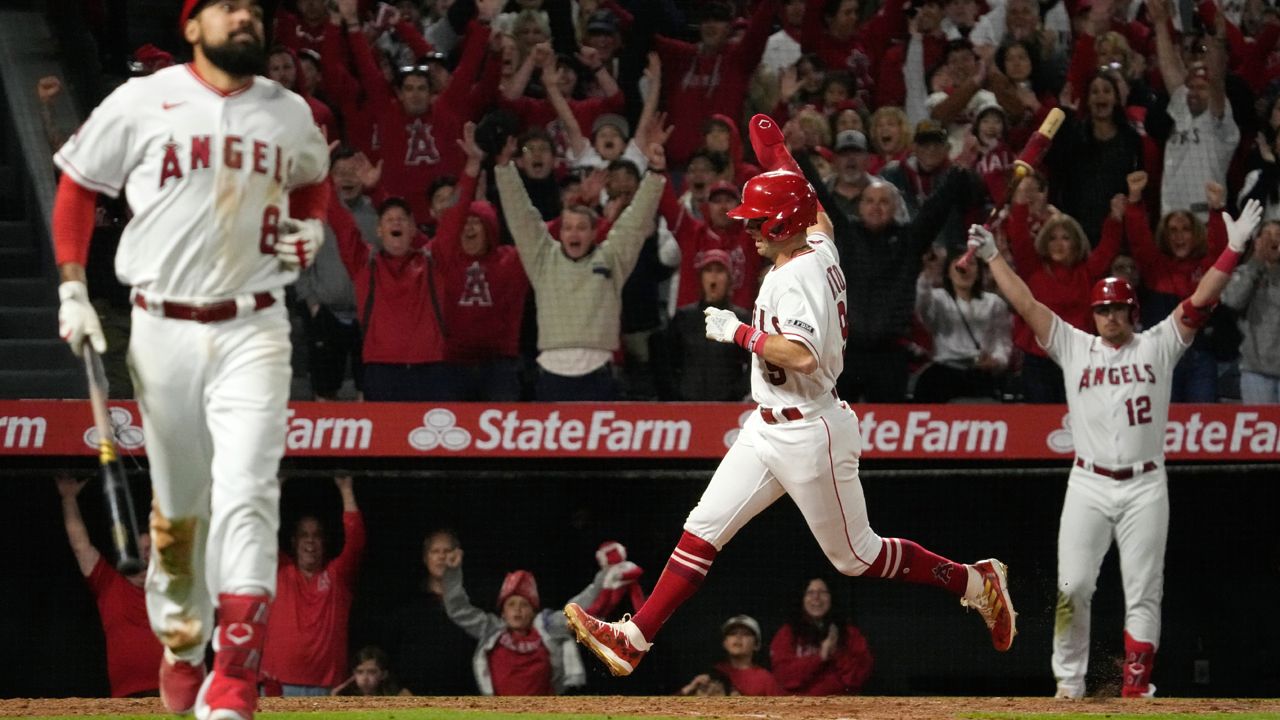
x: 230, y: 692
x: 994, y: 604
x: 606, y: 640
x: 179, y: 683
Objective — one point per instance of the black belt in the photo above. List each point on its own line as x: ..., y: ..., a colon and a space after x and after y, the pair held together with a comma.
x: 1120, y: 474
x: 207, y: 313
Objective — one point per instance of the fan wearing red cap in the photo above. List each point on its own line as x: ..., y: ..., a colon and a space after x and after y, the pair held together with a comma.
x: 714, y: 230
x: 802, y: 441
x: 225, y: 176
x: 1118, y: 387
x: 523, y: 649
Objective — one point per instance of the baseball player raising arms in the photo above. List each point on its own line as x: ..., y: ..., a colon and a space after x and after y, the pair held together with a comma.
x: 224, y: 172
x: 802, y: 442
x: 1118, y: 386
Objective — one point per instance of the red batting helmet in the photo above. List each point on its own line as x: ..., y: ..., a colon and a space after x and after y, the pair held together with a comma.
x: 1113, y: 291
x: 189, y: 8
x: 783, y: 199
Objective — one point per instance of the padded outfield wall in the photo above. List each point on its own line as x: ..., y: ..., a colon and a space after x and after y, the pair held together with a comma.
x: 967, y: 481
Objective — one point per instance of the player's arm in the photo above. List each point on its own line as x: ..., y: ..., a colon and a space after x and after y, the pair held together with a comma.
x: 74, y: 207
x: 1193, y: 313
x: 1014, y: 289
x: 785, y: 352
x: 77, y: 535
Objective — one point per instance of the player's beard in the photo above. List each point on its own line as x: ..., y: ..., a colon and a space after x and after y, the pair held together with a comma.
x: 238, y: 59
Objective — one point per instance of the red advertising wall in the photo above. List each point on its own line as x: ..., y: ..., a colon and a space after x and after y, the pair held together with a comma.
x: 651, y: 430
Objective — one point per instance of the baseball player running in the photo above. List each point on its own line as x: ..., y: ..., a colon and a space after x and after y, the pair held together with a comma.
x: 1118, y: 386
x: 802, y: 442
x: 224, y: 172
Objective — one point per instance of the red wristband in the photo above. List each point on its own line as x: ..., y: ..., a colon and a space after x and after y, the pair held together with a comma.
x: 1227, y: 261
x: 750, y: 338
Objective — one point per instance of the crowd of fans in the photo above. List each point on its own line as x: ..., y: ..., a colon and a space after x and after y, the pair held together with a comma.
x: 588, y: 152
x: 438, y: 642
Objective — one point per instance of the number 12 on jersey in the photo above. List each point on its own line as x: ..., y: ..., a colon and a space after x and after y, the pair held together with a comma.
x: 1139, y: 410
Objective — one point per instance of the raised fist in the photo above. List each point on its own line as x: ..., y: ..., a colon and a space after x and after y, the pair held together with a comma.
x: 722, y: 324
x: 298, y: 242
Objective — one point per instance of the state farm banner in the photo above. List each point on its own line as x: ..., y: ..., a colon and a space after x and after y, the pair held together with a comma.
x: 650, y: 430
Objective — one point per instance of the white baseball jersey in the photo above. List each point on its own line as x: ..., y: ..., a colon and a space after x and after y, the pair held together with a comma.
x: 207, y: 175
x: 1118, y: 397
x: 803, y: 300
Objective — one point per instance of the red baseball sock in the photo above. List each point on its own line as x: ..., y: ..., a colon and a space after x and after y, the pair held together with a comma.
x: 1139, y: 659
x: 906, y: 561
x: 681, y: 578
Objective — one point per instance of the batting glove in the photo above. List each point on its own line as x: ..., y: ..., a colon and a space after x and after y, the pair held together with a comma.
x: 77, y: 320
x: 724, y: 326
x: 983, y: 243
x: 1241, y: 229
x: 299, y: 242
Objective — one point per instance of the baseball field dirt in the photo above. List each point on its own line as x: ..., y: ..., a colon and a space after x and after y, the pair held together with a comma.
x: 785, y: 708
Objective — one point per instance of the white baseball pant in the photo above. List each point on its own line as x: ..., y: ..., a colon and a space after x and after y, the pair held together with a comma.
x: 815, y: 461
x: 1096, y: 509
x: 214, y: 405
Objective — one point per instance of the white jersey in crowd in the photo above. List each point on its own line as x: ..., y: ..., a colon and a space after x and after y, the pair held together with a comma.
x: 1118, y: 397
x: 207, y: 175
x: 1198, y: 150
x: 803, y: 300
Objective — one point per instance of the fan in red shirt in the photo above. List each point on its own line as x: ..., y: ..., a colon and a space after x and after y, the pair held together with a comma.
x: 741, y: 641
x: 306, y: 29
x: 133, y: 652
x: 306, y: 647
x: 841, y: 44
x: 711, y: 77
x: 814, y: 654
x: 1059, y: 267
x: 397, y: 293
x: 717, y: 232
x: 416, y: 127
x: 483, y: 290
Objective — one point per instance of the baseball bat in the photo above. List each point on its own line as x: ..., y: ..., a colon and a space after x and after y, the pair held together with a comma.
x: 1026, y: 162
x: 115, y: 484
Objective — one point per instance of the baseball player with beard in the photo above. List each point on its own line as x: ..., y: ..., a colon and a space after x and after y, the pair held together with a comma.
x: 1118, y: 385
x: 225, y: 175
x: 803, y: 441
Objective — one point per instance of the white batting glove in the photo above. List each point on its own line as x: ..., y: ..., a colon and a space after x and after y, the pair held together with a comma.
x: 983, y: 243
x: 77, y: 320
x: 1241, y: 229
x: 299, y: 241
x: 722, y: 325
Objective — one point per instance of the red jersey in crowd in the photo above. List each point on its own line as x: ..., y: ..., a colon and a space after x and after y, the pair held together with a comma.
x: 800, y: 669
x: 993, y: 165
x: 295, y: 33
x: 697, y: 84
x: 1165, y: 273
x: 416, y: 150
x: 403, y: 328
x: 536, y: 112
x: 1063, y: 289
x: 696, y: 237
x: 859, y: 53
x: 520, y: 664
x: 754, y: 680
x: 307, y: 628
x: 482, y: 297
x: 133, y: 652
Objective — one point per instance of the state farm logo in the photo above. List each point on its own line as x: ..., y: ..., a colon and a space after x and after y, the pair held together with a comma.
x: 1060, y: 440
x: 439, y: 429
x: 128, y: 435
x: 23, y: 432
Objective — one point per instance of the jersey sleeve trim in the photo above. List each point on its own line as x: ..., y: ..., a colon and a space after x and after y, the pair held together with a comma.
x: 808, y: 342
x: 83, y: 180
